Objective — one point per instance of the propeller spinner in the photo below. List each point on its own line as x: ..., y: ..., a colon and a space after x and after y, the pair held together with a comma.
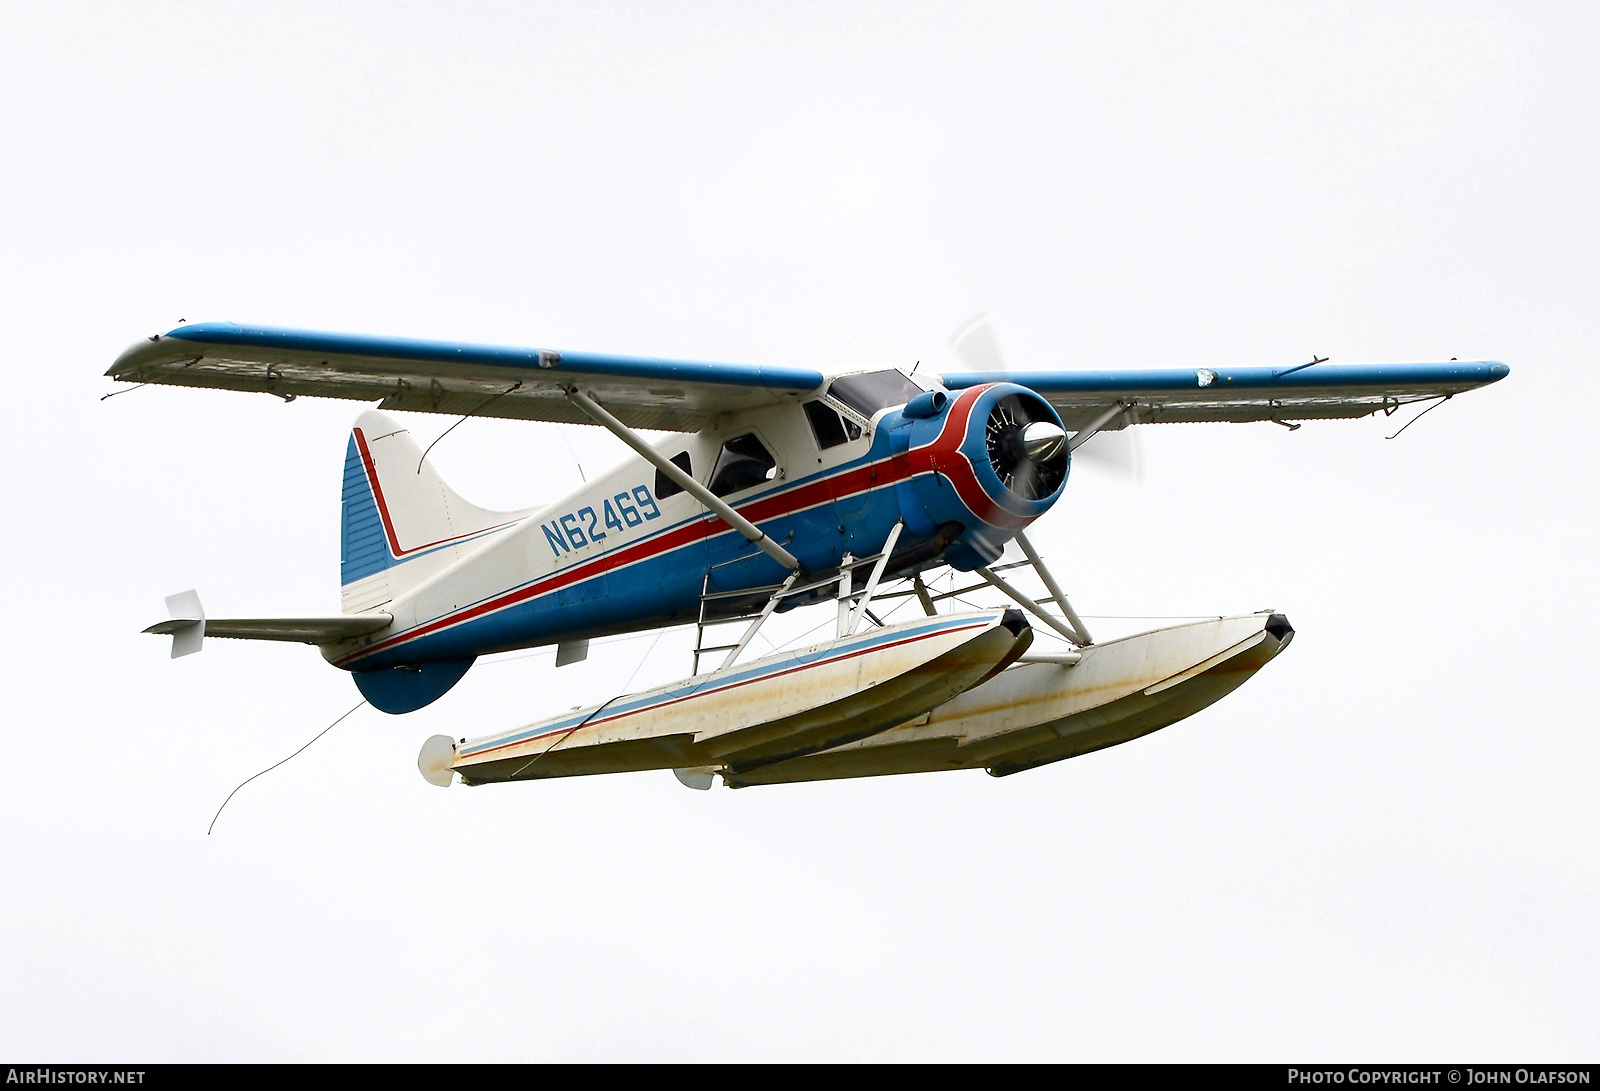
x: 1029, y: 454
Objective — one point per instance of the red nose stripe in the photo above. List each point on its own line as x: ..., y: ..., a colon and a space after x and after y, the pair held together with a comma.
x: 944, y: 456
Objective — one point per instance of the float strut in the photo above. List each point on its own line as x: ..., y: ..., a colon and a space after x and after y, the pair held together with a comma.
x: 1029, y: 605
x: 1055, y: 589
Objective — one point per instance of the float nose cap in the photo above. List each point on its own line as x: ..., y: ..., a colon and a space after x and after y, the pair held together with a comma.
x: 1014, y: 621
x: 434, y: 762
x: 1043, y: 441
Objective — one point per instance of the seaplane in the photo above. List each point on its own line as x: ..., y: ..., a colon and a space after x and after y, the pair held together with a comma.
x: 773, y: 489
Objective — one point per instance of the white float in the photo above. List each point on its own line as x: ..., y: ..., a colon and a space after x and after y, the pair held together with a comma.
x: 1037, y: 713
x: 756, y: 714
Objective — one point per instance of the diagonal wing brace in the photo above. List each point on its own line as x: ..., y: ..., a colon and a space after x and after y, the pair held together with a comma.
x: 688, y: 484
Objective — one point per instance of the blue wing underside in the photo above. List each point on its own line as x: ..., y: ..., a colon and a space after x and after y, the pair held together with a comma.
x: 681, y: 395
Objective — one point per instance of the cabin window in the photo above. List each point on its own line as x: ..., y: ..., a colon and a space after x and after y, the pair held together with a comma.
x: 874, y: 390
x: 665, y: 486
x: 830, y: 428
x: 743, y: 463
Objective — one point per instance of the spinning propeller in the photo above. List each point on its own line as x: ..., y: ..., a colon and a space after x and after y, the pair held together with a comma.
x: 1020, y: 447
x: 1028, y: 454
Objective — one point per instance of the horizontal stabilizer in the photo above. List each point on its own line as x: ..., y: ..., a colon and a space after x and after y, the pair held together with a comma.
x: 303, y: 630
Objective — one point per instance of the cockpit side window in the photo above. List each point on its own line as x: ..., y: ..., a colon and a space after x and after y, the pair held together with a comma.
x: 829, y: 427
x: 874, y: 390
x: 743, y: 463
x: 665, y: 486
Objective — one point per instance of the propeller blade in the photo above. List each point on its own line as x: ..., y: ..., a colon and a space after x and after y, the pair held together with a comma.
x: 975, y: 345
x: 1115, y: 454
x: 1026, y: 471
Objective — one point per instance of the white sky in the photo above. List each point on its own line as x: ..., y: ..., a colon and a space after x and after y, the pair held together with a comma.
x: 1382, y: 847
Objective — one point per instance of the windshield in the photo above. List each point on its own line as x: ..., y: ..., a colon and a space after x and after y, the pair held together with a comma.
x: 829, y: 427
x: 874, y: 391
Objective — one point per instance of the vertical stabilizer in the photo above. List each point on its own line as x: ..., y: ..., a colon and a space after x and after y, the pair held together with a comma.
x: 401, y: 523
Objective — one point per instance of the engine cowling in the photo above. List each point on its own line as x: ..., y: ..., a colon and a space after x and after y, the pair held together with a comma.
x: 994, y: 460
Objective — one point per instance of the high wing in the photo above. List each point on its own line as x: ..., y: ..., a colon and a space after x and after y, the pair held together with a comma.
x: 453, y: 378
x: 1182, y: 395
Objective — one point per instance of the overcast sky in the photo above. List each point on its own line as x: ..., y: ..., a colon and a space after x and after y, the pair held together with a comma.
x: 1384, y: 846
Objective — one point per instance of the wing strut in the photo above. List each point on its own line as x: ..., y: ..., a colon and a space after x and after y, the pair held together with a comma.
x: 684, y: 481
x: 1055, y: 589
x: 1087, y: 432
